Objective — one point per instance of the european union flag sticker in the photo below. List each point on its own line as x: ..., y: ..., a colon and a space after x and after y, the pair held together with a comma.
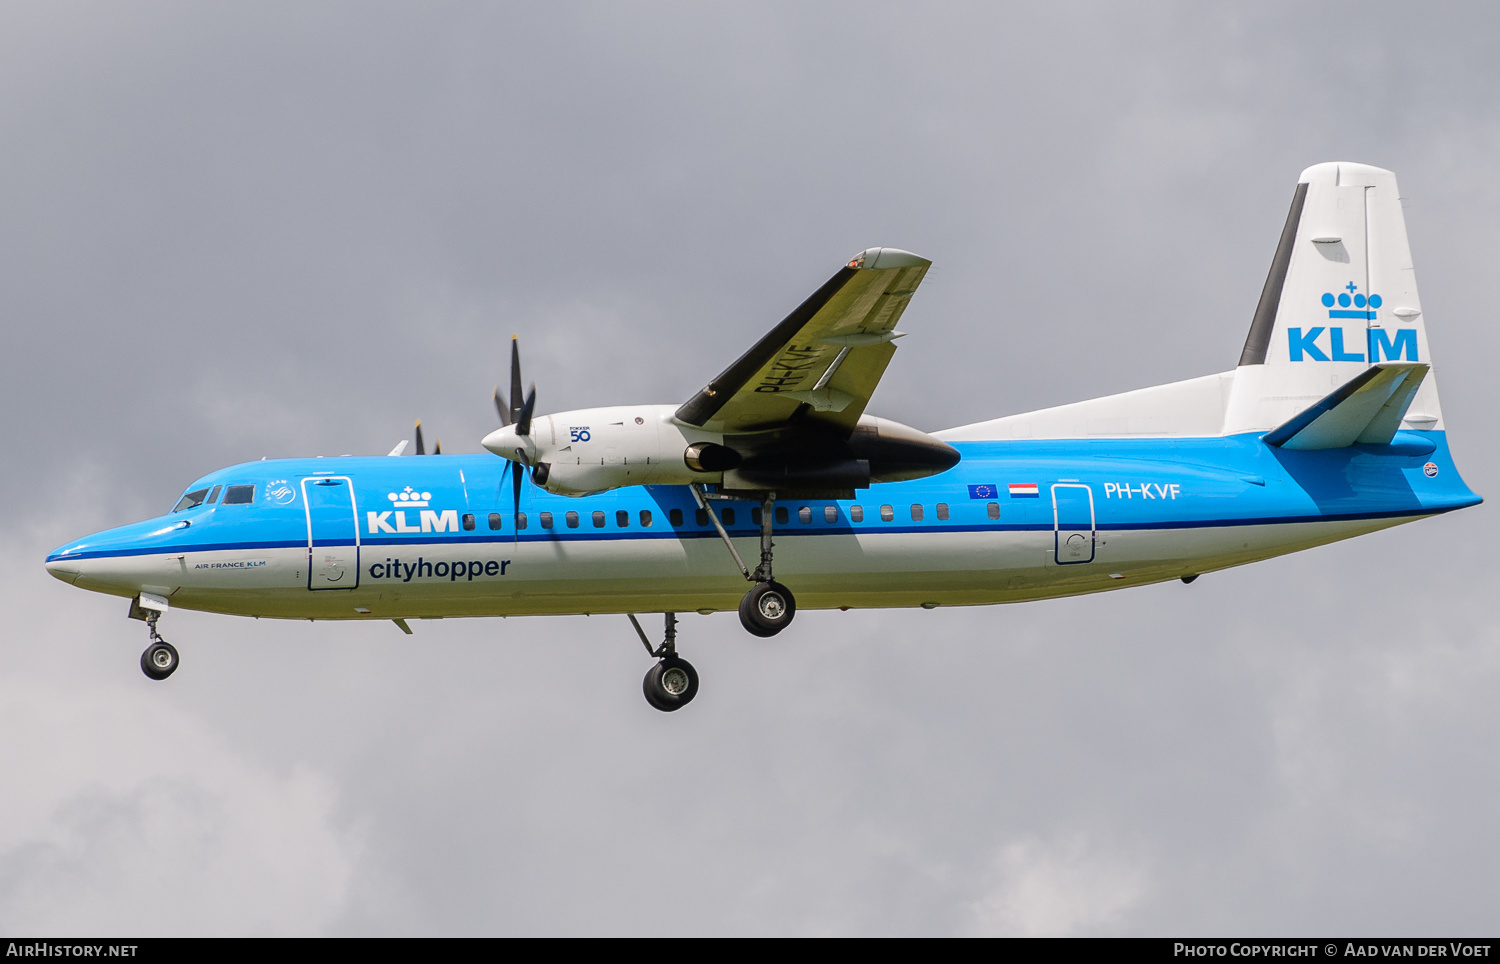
x: 987, y: 491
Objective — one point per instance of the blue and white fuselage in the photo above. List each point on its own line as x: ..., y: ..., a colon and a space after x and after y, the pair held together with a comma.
x: 1135, y: 512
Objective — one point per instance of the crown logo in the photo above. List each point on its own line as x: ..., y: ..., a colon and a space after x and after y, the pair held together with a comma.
x: 409, y: 498
x: 1363, y: 308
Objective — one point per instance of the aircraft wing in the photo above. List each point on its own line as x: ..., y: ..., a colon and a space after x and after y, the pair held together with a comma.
x: 828, y: 355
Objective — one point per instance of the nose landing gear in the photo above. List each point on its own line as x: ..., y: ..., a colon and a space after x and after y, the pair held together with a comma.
x: 672, y: 683
x: 160, y: 658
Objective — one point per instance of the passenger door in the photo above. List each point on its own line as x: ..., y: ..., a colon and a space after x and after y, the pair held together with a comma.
x: 1073, y: 523
x: 332, y: 533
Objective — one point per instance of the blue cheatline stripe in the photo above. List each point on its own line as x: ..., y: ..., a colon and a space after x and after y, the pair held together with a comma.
x: 177, y: 550
x: 501, y: 538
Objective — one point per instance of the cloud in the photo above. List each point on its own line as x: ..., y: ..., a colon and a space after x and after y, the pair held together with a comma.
x: 125, y: 815
x: 1060, y: 888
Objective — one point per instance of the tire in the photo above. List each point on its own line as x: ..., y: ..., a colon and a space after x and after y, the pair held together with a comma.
x: 671, y: 684
x: 767, y: 609
x: 159, y: 660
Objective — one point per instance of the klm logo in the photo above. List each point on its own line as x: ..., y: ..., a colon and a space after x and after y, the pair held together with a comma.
x: 430, y: 520
x: 1340, y: 343
x: 1363, y: 307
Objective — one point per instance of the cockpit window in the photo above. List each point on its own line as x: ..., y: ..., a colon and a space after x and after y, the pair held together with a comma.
x: 192, y: 500
x: 214, y: 495
x: 239, y: 495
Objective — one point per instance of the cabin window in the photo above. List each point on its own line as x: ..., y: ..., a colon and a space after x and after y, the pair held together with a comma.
x: 469, y: 521
x: 916, y: 513
x: 674, y: 516
x: 887, y: 513
x: 520, y: 520
x: 191, y: 501
x: 755, y: 516
x: 942, y: 511
x: 494, y: 520
x: 622, y: 518
x: 856, y: 513
x: 598, y: 519
x: 572, y: 520
x: 781, y: 515
x: 727, y: 514
x: 239, y: 495
x: 994, y: 510
x: 546, y: 520
x: 214, y: 495
x: 804, y: 514
x: 645, y: 518
x: 830, y: 513
x: 701, y: 516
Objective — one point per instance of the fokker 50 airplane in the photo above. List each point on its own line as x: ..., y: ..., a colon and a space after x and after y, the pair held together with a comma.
x: 1328, y: 428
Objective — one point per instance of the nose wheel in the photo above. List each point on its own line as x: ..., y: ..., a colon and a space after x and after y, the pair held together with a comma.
x: 672, y: 683
x: 160, y: 658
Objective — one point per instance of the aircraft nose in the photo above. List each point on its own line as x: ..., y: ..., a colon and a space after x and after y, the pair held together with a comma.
x: 67, y: 571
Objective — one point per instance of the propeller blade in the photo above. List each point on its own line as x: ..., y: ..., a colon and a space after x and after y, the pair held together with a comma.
x: 438, y: 448
x: 501, y: 407
x: 515, y: 383
x: 515, y: 488
x: 523, y: 421
x: 421, y: 449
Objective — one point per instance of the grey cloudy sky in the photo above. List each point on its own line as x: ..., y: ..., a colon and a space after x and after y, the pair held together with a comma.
x: 230, y: 231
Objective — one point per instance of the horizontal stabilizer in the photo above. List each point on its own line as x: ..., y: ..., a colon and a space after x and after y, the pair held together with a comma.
x: 1368, y: 408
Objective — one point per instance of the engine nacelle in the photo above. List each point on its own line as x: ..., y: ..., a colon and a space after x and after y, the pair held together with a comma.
x: 594, y: 449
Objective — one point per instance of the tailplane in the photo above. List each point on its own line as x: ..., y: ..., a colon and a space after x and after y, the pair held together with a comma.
x: 1368, y: 409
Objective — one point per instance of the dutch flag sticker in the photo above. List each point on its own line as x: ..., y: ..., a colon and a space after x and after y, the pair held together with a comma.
x: 1024, y: 490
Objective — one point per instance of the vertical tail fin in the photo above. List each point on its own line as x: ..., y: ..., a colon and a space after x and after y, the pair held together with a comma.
x: 1341, y: 297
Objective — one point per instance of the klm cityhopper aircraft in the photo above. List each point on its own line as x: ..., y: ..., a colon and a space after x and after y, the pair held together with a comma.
x: 1328, y: 428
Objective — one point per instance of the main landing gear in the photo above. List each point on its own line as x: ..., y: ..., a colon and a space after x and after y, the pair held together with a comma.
x: 160, y: 658
x: 672, y: 683
x: 768, y: 607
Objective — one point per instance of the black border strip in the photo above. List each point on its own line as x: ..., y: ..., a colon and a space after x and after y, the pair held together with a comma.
x: 1259, y: 338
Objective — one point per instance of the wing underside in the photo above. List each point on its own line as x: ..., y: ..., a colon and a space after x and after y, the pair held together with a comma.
x: 824, y: 360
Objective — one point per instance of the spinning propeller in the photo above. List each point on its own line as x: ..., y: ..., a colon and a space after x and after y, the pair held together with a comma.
x: 517, y: 417
x: 513, y: 439
x: 421, y: 450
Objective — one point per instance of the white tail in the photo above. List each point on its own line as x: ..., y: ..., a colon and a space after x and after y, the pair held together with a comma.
x: 1341, y: 299
x: 1341, y: 296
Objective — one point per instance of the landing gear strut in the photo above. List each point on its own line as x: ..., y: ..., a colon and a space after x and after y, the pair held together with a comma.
x: 768, y: 607
x: 672, y: 683
x: 160, y: 658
